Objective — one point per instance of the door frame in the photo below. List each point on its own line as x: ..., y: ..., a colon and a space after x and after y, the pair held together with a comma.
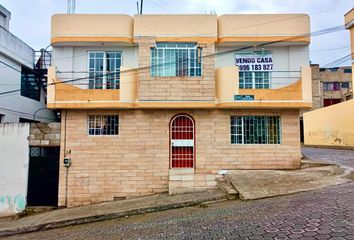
x: 170, y: 138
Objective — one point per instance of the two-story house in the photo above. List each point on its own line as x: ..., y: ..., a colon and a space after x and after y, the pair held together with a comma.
x: 157, y: 103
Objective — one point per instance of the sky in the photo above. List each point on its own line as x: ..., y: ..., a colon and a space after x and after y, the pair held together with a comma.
x: 30, y: 19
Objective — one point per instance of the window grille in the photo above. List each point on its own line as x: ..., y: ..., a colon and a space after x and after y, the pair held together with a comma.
x: 255, y: 130
x: 104, y: 70
x: 176, y: 60
x: 103, y: 124
x: 30, y: 84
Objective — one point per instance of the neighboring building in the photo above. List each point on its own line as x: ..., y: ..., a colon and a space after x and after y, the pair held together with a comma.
x: 21, y: 90
x: 330, y: 86
x: 333, y: 126
x: 155, y: 103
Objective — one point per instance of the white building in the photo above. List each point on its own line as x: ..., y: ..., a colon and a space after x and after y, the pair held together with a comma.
x: 21, y: 93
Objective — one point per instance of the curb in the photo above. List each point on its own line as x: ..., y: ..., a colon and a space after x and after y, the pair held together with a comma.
x: 103, y: 217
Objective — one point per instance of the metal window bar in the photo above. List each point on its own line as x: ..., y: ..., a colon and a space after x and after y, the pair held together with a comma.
x: 103, y: 124
x: 255, y: 129
x: 176, y: 60
x: 182, y: 130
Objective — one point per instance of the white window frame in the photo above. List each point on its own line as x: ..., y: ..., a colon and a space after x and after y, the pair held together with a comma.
x: 101, y: 116
x: 254, y: 72
x: 104, y: 80
x: 154, y: 70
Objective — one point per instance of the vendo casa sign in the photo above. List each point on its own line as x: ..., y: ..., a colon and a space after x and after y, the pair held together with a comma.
x: 254, y: 62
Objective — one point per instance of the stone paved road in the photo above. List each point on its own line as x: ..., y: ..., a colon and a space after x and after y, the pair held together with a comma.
x: 342, y: 157
x: 322, y: 214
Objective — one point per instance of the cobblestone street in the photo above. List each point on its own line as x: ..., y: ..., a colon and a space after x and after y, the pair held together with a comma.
x: 321, y: 214
x: 339, y: 156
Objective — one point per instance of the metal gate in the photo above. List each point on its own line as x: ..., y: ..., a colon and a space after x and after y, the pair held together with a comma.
x: 43, y: 176
x: 182, y: 141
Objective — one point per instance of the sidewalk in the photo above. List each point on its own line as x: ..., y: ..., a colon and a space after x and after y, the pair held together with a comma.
x: 255, y: 184
x: 105, y: 211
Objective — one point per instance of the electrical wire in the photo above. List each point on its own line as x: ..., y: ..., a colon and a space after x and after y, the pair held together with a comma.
x: 316, y: 33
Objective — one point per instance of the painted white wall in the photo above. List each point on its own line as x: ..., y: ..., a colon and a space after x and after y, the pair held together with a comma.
x: 10, y: 79
x: 75, y: 59
x: 285, y: 60
x: 16, y: 53
x: 14, y: 161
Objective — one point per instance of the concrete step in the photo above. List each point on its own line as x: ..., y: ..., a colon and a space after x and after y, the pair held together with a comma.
x: 225, y: 185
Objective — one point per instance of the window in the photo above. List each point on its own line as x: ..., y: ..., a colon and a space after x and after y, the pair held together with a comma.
x: 254, y: 80
x: 30, y: 84
x: 176, y: 60
x: 329, y: 102
x: 345, y: 85
x: 253, y: 74
x: 331, y: 86
x: 347, y: 70
x: 255, y: 130
x: 104, y: 70
x: 333, y: 69
x: 103, y: 124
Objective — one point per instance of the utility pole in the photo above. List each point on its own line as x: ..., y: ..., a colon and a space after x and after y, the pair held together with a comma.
x: 71, y: 6
x: 137, y: 8
x: 141, y: 6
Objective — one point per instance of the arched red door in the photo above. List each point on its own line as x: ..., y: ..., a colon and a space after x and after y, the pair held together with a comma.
x: 182, y: 149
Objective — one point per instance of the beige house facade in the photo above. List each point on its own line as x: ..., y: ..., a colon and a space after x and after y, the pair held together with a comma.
x: 163, y: 103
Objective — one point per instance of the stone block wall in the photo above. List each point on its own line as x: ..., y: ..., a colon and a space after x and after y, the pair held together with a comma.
x: 44, y: 135
x: 175, y: 88
x: 136, y: 162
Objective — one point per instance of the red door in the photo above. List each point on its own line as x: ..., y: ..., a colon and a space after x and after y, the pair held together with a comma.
x: 182, y: 132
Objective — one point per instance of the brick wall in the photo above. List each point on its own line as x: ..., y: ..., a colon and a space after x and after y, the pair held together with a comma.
x: 136, y: 162
x: 44, y: 134
x: 175, y: 88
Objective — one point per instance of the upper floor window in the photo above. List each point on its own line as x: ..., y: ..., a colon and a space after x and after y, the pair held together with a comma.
x: 345, y: 84
x: 347, y: 70
x: 104, y: 70
x: 176, y: 60
x: 331, y: 86
x: 30, y: 84
x: 255, y: 69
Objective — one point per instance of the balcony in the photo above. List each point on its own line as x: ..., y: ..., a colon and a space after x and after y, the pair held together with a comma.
x: 291, y: 91
x: 69, y: 91
x: 66, y: 91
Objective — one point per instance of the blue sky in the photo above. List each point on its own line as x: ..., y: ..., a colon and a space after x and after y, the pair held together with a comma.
x: 31, y: 18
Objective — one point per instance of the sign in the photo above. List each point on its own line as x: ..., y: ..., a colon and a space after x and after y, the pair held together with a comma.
x: 253, y: 62
x: 243, y: 97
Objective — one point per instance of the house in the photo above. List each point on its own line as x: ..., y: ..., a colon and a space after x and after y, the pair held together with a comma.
x: 330, y: 85
x: 333, y: 126
x: 162, y: 103
x: 22, y: 94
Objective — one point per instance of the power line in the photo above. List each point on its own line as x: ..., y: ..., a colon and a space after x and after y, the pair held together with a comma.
x: 317, y: 33
x: 25, y: 113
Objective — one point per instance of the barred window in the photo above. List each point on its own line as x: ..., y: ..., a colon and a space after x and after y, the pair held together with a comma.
x: 255, y: 130
x: 176, y: 60
x: 103, y: 124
